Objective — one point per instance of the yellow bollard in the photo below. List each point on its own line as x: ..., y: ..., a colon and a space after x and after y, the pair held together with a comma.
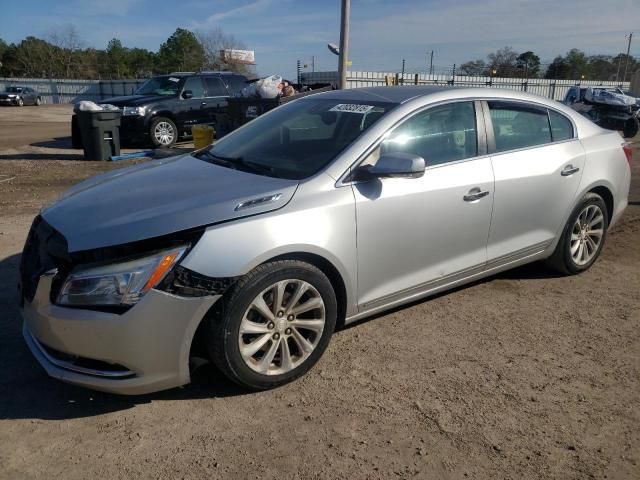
x: 202, y: 136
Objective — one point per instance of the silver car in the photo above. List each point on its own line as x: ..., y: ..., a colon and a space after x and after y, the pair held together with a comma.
x: 321, y: 212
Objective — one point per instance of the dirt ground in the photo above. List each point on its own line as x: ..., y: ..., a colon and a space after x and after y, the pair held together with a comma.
x: 525, y: 375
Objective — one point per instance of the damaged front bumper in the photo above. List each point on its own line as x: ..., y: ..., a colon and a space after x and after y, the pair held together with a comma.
x: 142, y: 350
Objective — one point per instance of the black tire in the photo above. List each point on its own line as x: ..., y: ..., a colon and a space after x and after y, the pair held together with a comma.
x: 20, y: 102
x: 38, y: 101
x: 222, y: 331
x: 631, y: 127
x: 157, y: 142
x: 561, y: 260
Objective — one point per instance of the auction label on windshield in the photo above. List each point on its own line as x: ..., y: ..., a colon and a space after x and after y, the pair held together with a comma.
x: 351, y: 108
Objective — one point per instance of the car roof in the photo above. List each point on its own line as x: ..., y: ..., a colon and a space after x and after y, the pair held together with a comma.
x: 398, y: 94
x: 184, y: 74
x: 404, y: 94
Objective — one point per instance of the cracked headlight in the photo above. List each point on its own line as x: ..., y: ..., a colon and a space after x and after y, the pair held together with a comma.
x: 126, y: 111
x: 118, y: 284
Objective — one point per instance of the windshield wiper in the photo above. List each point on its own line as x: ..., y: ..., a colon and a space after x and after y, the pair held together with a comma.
x: 236, y: 162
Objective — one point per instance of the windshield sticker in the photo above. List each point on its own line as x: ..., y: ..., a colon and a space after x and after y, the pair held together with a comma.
x: 351, y: 108
x: 174, y: 79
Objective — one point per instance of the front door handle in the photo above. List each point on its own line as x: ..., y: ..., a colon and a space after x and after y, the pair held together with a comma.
x: 569, y: 170
x: 475, y: 194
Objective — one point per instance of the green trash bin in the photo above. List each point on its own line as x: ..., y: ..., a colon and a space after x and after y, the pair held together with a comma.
x: 100, y: 133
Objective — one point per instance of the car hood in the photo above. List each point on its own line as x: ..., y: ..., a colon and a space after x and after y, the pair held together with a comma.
x: 158, y: 198
x: 135, y: 100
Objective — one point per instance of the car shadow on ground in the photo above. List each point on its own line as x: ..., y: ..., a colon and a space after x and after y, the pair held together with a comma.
x: 57, y: 142
x: 29, y: 393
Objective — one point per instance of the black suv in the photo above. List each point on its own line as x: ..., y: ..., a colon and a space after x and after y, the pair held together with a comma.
x: 167, y: 106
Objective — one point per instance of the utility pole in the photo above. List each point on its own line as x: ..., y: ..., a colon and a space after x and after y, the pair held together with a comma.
x: 313, y: 63
x: 626, y: 62
x: 431, y: 64
x: 402, y: 76
x: 344, y: 44
x: 298, y: 68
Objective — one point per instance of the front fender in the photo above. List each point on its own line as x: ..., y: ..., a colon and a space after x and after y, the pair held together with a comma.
x: 324, y: 226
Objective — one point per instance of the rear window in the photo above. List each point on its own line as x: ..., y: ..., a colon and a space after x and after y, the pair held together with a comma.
x: 517, y: 125
x: 561, y: 127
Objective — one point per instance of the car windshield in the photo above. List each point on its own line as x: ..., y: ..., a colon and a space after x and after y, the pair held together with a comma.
x: 166, y: 86
x: 297, y: 139
x: 13, y: 89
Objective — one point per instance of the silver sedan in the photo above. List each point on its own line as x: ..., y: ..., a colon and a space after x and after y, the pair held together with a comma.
x: 321, y: 212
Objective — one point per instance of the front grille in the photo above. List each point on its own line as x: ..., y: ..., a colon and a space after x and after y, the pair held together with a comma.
x: 45, y: 249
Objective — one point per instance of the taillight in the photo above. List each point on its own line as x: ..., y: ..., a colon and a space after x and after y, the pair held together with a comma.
x: 628, y: 152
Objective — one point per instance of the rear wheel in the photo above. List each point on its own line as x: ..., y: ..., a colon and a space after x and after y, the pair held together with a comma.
x: 631, y: 127
x: 274, y: 326
x: 163, y: 132
x: 583, y: 236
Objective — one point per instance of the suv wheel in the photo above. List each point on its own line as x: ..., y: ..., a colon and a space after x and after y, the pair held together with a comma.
x: 38, y: 101
x: 163, y: 132
x: 583, y: 236
x: 20, y: 102
x: 274, y: 325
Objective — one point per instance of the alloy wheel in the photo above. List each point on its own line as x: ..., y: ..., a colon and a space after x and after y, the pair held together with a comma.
x: 586, y: 235
x: 282, y: 327
x: 164, y: 133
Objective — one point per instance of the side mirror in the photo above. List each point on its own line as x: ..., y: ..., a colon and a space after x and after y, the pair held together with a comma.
x: 394, y: 165
x: 187, y: 94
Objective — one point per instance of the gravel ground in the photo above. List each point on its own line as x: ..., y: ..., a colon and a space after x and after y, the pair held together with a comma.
x: 523, y: 375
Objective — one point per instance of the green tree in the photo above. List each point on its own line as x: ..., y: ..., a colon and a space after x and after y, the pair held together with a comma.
x: 577, y: 64
x: 181, y: 52
x: 117, y: 58
x: 30, y: 58
x: 3, y: 48
x: 557, y: 69
x: 529, y: 64
x: 141, y: 62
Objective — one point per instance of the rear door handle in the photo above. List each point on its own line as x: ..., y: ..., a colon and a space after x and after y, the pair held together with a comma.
x: 569, y: 170
x: 475, y: 194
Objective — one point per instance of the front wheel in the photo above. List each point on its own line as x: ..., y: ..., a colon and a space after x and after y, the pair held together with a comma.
x: 38, y: 101
x: 583, y: 237
x: 20, y: 102
x: 163, y: 132
x: 274, y: 326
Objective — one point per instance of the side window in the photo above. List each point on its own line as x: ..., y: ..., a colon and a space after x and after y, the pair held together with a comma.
x: 439, y: 135
x: 215, y: 88
x: 195, y: 85
x: 235, y: 83
x: 517, y: 125
x: 561, y: 127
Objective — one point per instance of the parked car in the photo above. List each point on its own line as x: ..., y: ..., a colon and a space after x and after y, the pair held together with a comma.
x: 20, y: 96
x: 609, y: 107
x: 165, y: 108
x: 318, y: 213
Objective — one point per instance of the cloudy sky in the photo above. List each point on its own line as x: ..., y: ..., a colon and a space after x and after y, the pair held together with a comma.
x: 382, y: 32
